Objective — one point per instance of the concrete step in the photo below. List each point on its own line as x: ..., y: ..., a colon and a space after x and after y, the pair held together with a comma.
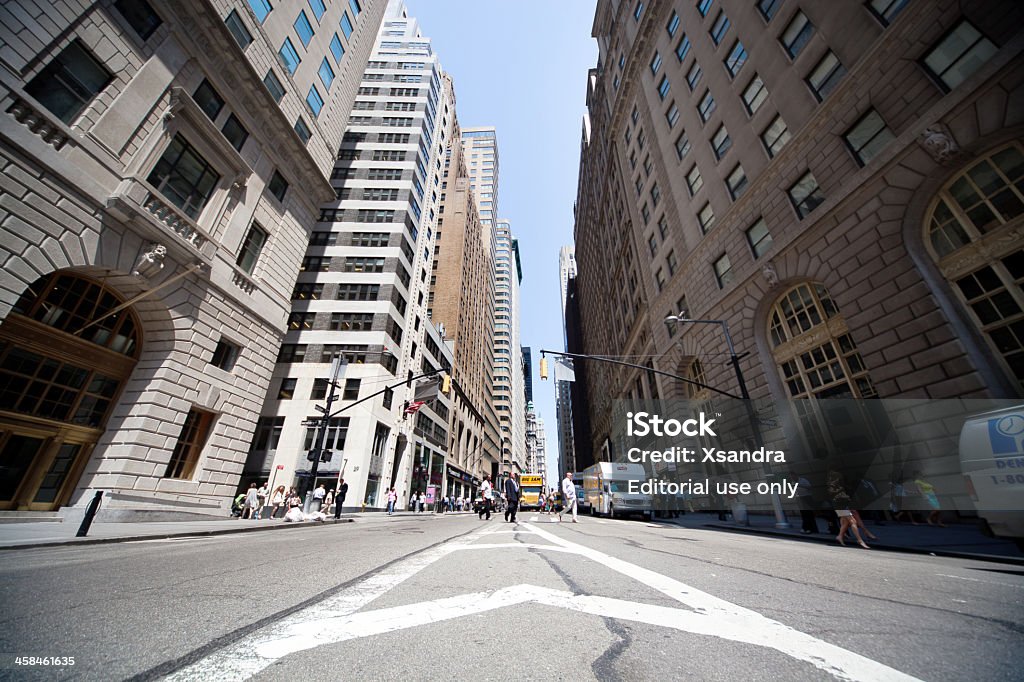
x: 7, y: 516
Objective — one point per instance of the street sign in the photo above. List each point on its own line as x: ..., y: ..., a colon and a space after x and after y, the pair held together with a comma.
x: 311, y: 422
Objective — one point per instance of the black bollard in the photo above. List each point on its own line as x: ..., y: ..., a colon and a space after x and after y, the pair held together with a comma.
x: 90, y: 513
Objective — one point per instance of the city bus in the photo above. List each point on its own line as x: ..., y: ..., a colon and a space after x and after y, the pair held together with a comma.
x: 531, y: 486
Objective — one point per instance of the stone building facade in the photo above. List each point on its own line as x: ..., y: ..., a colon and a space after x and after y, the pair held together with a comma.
x: 163, y: 164
x: 840, y: 183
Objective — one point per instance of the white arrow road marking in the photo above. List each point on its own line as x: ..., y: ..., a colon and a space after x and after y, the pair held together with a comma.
x: 335, y: 619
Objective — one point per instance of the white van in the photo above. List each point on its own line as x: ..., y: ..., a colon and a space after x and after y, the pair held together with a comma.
x: 606, y: 488
x: 992, y: 462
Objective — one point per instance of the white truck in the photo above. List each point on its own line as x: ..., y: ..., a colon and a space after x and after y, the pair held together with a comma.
x: 606, y: 489
x: 992, y: 462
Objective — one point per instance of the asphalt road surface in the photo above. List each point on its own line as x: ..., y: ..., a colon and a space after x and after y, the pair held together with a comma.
x: 454, y: 598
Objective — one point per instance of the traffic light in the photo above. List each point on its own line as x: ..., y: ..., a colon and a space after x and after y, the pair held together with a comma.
x: 325, y: 455
x: 544, y: 368
x: 446, y: 384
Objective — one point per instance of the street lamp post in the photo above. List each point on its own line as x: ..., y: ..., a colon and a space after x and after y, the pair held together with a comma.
x: 734, y: 359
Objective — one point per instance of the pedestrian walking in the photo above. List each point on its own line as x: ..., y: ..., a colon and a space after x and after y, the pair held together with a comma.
x: 277, y: 501
x: 392, y: 499
x: 568, y: 497
x: 318, y: 497
x: 251, y: 500
x: 486, y: 492
x: 261, y: 500
x: 421, y: 503
x: 512, y: 497
x: 927, y: 491
x: 841, y: 504
x: 339, y: 499
x: 808, y: 524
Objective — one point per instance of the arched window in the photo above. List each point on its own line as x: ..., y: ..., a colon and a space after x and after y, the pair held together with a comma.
x: 974, y: 230
x: 812, y: 347
x: 695, y: 372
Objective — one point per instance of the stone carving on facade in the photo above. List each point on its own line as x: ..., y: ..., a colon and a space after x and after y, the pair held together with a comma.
x: 26, y: 114
x: 771, y: 275
x: 152, y: 261
x: 938, y: 141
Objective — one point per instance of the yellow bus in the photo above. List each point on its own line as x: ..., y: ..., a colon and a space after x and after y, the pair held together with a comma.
x: 530, y: 488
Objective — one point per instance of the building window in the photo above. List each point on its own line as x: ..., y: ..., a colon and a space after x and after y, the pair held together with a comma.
x: 693, y: 76
x: 826, y: 75
x: 278, y: 185
x: 291, y: 352
x: 303, y: 28
x: 723, y: 271
x: 683, y: 48
x: 318, y: 8
x: 962, y: 52
x: 326, y: 74
x: 704, y: 6
x: 235, y: 132
x: 208, y: 100
x: 351, y: 391
x: 645, y: 211
x: 672, y: 115
x: 191, y: 440
x: 736, y: 59
x: 868, y: 136
x: 886, y: 10
x: 302, y: 130
x: 238, y: 29
x: 673, y: 24
x: 706, y: 218
x: 638, y: 10
x: 672, y: 263
x: 286, y: 391
x: 289, y: 56
x: 69, y: 82
x: 140, y: 16
x: 336, y: 49
x: 970, y: 233
x: 261, y: 8
x: 694, y: 181
x: 655, y: 195
x: 719, y: 28
x: 184, y: 177
x: 796, y: 35
x: 253, y: 245
x: 768, y: 8
x: 775, y: 136
x: 652, y: 244
x: 663, y: 87
x: 759, y: 238
x: 829, y: 366
x: 659, y: 279
x: 682, y: 145
x: 706, y: 106
x: 274, y: 86
x: 301, y: 321
x: 720, y: 142
x: 736, y: 182
x: 806, y: 195
x: 319, y: 390
x: 663, y: 227
x: 655, y: 64
x: 314, y: 101
x: 754, y: 95
x: 346, y: 26
x: 351, y: 322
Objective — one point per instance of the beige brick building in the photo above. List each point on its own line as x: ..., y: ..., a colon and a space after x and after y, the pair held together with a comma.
x: 462, y: 300
x: 841, y: 183
x: 163, y: 164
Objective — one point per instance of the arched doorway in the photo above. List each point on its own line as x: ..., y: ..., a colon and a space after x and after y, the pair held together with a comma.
x: 66, y: 349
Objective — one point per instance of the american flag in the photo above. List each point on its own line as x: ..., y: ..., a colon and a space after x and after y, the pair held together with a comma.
x: 414, y: 406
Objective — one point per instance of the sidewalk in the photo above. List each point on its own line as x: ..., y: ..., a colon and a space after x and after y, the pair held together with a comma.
x: 955, y: 540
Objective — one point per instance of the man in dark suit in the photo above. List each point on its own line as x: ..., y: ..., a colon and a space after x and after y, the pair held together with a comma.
x: 339, y: 500
x: 512, y: 497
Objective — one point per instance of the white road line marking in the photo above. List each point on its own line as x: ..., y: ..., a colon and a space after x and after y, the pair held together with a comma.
x: 731, y: 621
x: 519, y: 545
x: 978, y: 580
x: 243, y: 659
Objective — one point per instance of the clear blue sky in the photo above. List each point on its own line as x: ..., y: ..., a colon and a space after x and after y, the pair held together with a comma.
x: 521, y: 66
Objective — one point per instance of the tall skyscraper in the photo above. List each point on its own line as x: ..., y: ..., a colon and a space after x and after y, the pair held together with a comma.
x: 509, y: 400
x: 563, y: 389
x: 838, y: 183
x: 362, y: 291
x: 164, y: 164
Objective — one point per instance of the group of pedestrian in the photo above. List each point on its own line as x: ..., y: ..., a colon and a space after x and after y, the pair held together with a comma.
x: 251, y: 503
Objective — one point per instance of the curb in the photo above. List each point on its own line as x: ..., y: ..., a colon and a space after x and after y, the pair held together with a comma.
x: 165, y: 536
x: 1018, y: 561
